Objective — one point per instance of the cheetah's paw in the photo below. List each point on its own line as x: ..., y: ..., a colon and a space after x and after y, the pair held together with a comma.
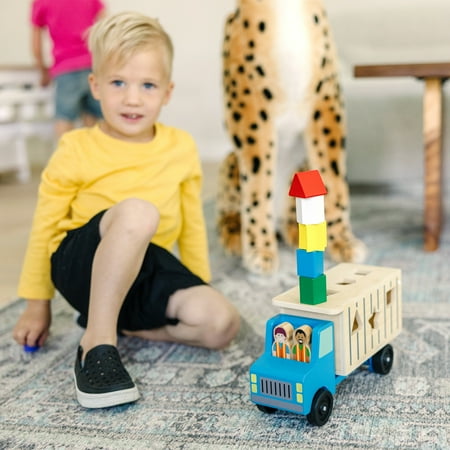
x: 229, y: 227
x: 351, y: 250
x: 261, y: 262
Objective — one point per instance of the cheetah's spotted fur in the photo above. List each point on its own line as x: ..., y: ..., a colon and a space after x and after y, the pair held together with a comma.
x: 280, y: 81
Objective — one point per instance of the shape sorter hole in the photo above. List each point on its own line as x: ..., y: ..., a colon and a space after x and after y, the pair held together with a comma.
x: 346, y: 281
x: 373, y: 320
x: 362, y: 273
x: 389, y: 297
x: 330, y: 292
x: 356, y: 324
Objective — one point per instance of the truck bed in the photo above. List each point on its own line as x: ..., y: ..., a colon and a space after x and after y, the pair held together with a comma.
x: 363, y: 302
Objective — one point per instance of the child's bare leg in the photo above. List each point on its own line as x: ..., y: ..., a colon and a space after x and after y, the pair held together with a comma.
x: 206, y: 319
x: 126, y: 230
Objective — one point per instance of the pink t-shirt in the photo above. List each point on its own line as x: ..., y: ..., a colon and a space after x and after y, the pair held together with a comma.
x: 67, y: 22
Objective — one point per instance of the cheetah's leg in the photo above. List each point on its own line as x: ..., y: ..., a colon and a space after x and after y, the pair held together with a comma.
x: 249, y: 94
x: 325, y: 143
x: 257, y: 167
x: 245, y: 223
x: 228, y: 206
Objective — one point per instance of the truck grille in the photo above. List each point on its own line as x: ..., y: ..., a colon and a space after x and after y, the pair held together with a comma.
x: 276, y: 388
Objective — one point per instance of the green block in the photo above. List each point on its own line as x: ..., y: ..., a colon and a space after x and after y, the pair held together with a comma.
x: 313, y: 291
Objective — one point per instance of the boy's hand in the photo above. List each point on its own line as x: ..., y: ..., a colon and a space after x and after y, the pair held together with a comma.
x: 33, y: 325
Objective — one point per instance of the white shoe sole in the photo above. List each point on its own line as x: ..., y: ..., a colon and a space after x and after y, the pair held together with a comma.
x: 107, y: 399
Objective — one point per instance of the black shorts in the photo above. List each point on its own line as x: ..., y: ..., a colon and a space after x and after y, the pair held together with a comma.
x: 145, y: 305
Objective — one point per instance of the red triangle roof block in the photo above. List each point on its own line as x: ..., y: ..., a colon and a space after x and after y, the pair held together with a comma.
x: 307, y: 184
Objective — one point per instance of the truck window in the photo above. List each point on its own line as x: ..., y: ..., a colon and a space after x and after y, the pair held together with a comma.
x: 326, y: 341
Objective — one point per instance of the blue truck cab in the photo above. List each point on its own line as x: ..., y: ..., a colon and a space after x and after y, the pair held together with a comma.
x: 305, y: 388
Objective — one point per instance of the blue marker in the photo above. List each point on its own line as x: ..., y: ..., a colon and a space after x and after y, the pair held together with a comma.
x: 31, y: 348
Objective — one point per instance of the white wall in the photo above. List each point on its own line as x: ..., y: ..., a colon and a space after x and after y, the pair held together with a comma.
x: 385, y: 141
x: 385, y: 129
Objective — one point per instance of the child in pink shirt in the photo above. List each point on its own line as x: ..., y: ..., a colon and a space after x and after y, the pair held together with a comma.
x: 67, y: 22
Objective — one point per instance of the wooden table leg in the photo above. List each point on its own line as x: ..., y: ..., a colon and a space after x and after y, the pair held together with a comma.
x: 432, y: 132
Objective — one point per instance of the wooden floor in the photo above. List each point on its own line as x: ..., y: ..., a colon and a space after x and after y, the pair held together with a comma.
x: 17, y: 202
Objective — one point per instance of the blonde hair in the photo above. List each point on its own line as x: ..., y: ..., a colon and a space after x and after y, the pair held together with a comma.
x: 118, y: 37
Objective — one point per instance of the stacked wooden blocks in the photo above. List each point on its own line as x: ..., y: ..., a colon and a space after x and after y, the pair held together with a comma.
x: 309, y: 192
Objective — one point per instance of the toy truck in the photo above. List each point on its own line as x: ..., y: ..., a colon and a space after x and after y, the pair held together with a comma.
x: 361, y: 316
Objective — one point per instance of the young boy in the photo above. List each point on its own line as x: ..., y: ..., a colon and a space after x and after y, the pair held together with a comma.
x: 113, y: 202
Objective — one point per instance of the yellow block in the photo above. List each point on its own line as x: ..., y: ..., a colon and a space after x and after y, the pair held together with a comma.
x: 312, y: 238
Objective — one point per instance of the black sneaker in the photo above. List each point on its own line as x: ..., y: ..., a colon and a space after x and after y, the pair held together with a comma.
x: 102, y: 381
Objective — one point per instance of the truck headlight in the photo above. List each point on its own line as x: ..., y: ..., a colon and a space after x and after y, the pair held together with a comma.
x: 253, y: 383
x: 299, y: 392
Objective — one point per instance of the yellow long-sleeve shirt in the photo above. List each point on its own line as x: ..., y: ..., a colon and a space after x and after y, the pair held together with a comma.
x: 91, y: 171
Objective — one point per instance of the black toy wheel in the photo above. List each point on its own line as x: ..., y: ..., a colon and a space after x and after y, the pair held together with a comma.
x: 321, y: 408
x: 382, y: 360
x: 266, y: 409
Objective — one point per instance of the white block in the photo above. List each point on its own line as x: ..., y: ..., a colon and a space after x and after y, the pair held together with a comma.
x: 310, y: 211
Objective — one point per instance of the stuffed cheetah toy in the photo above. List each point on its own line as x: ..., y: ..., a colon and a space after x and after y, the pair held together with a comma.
x: 280, y: 83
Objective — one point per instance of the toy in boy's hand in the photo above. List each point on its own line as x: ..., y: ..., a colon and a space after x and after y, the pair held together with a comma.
x: 31, y: 348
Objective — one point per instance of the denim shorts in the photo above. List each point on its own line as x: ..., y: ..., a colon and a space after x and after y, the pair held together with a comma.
x: 73, y: 96
x: 145, y: 305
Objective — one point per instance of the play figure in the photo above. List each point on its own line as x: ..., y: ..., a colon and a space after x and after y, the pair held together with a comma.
x: 301, y: 350
x: 282, y: 335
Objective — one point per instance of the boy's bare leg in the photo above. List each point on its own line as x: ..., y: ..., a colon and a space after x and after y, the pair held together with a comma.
x: 206, y: 319
x: 125, y: 230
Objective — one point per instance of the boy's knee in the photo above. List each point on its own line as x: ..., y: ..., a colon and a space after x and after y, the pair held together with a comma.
x: 222, y: 328
x: 209, y: 319
x: 137, y: 216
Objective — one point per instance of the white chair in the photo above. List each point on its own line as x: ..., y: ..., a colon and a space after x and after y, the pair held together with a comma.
x: 26, y: 110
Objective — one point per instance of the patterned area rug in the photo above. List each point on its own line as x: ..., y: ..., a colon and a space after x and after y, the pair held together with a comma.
x: 198, y: 399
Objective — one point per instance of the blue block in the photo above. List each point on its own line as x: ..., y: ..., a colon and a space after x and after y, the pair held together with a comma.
x: 309, y: 264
